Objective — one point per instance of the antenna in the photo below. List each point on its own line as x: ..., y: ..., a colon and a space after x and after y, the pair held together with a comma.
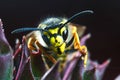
x: 25, y: 29
x: 76, y: 15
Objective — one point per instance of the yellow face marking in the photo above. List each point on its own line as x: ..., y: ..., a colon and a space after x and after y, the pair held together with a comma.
x: 62, y: 47
x: 59, y: 40
x: 52, y: 40
x: 53, y: 31
x: 61, y: 31
x: 56, y: 41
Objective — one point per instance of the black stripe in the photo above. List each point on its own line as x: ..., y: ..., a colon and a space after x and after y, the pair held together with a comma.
x: 65, y: 34
x: 46, y: 40
x: 70, y: 42
x: 53, y: 26
x: 59, y: 51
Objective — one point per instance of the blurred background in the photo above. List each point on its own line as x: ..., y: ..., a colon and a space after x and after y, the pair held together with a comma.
x: 103, y: 24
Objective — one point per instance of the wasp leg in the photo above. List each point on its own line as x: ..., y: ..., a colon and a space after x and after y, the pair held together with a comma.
x: 45, y: 53
x: 31, y: 41
x: 82, y: 49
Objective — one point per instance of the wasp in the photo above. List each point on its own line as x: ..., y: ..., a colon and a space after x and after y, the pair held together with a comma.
x: 55, y: 36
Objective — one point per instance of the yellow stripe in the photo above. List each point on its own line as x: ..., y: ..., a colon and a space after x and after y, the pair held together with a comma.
x: 53, y: 31
x: 61, y: 31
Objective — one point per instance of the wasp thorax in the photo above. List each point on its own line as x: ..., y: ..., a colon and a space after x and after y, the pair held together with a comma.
x: 56, y: 40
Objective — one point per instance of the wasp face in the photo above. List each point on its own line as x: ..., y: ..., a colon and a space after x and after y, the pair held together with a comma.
x: 55, y: 38
x: 55, y: 35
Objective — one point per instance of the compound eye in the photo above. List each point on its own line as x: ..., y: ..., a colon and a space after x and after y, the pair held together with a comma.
x: 46, y: 39
x: 65, y: 34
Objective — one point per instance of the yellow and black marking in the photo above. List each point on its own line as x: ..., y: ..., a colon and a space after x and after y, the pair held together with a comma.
x: 55, y: 35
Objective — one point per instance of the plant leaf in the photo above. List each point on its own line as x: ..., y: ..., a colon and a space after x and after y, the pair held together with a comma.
x: 53, y: 73
x: 37, y: 65
x: 6, y: 61
x: 118, y: 77
x: 89, y: 74
x: 24, y: 59
x: 71, y: 65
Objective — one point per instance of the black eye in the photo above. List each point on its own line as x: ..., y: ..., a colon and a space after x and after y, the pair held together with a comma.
x: 45, y: 38
x: 65, y: 34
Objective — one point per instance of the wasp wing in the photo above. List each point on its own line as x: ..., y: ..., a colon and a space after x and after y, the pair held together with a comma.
x: 80, y: 28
